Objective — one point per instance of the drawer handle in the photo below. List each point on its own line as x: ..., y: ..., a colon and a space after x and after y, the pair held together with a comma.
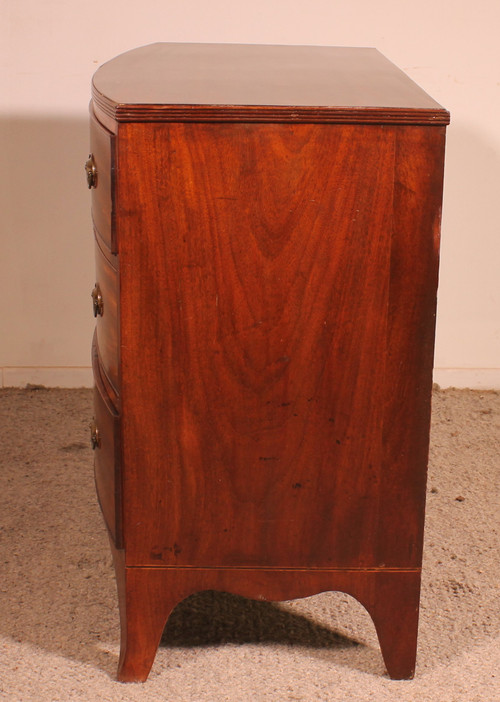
x: 95, y: 439
x: 91, y: 171
x: 97, y: 301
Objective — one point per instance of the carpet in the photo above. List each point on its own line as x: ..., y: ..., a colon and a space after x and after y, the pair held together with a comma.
x: 59, y: 629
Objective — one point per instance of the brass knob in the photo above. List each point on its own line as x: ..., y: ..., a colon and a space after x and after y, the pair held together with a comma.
x: 97, y: 301
x: 91, y: 171
x: 95, y: 439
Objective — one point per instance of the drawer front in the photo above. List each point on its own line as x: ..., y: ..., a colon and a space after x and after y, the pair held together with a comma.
x: 105, y: 303
x: 106, y: 444
x: 101, y: 148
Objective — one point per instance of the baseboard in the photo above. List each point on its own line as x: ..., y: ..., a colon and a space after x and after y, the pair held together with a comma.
x: 77, y: 377
x: 474, y: 378
x: 50, y: 377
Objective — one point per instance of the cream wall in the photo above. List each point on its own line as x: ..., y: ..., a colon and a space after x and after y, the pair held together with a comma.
x: 49, y: 51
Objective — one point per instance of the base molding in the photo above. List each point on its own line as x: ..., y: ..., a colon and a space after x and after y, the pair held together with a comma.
x: 473, y: 378
x: 48, y: 376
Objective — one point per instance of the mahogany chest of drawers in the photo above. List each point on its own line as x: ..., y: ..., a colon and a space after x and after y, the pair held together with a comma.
x: 266, y: 226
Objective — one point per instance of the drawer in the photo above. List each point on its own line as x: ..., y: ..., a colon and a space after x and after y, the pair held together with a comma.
x: 105, y: 296
x: 106, y: 444
x: 102, y: 155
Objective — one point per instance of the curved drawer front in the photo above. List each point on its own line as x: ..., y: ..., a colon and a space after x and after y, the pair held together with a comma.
x: 101, y: 148
x: 106, y: 443
x: 106, y: 311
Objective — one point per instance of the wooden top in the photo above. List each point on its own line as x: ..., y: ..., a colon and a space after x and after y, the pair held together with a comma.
x: 260, y: 83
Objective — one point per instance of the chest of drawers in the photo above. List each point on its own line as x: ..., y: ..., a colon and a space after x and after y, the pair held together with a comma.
x: 266, y: 226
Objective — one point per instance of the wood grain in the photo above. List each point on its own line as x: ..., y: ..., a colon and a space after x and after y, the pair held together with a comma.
x: 418, y: 182
x: 247, y: 390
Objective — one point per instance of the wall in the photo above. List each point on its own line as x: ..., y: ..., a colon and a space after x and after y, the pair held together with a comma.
x: 49, y: 51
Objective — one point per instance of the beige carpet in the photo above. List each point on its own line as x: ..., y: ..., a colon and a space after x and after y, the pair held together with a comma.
x: 58, y: 613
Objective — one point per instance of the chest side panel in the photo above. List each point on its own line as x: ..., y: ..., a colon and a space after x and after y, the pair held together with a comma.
x: 255, y: 263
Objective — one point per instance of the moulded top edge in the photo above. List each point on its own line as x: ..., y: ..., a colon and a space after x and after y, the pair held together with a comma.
x: 166, y: 76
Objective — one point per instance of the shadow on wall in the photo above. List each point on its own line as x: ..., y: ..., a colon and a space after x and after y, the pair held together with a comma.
x: 47, y: 263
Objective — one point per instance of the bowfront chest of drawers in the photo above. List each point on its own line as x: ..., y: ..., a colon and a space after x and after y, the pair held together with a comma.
x: 266, y: 225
